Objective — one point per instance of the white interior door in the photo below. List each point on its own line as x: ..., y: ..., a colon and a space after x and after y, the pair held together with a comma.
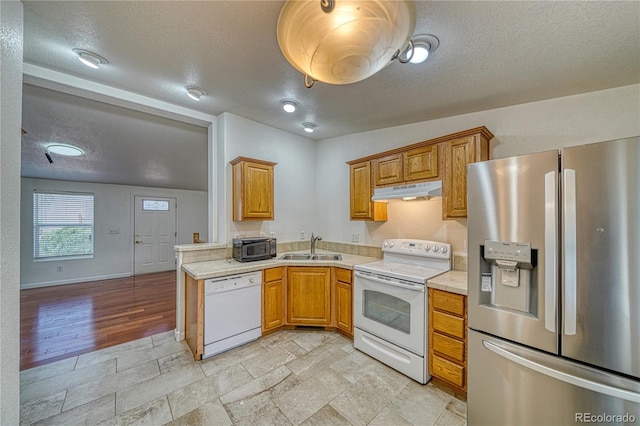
x: 154, y: 234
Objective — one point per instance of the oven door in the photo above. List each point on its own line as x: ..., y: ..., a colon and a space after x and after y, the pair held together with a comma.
x: 391, y: 309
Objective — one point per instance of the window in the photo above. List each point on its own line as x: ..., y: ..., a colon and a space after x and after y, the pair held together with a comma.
x: 155, y: 205
x: 62, y: 224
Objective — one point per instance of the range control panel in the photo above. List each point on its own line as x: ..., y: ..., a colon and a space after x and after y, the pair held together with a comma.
x: 417, y: 248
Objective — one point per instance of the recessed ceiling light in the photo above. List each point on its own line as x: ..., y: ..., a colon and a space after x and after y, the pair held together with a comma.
x: 64, y: 149
x: 195, y: 93
x: 423, y: 45
x: 289, y: 105
x: 90, y: 59
x: 309, y: 127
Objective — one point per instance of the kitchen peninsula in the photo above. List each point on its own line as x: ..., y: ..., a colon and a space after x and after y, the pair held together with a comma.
x: 324, y: 283
x: 199, y: 262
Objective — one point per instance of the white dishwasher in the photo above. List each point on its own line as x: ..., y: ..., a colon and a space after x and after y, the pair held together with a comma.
x: 232, y: 311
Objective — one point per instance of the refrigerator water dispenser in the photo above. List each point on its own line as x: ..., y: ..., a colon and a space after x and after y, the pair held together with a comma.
x: 507, y: 269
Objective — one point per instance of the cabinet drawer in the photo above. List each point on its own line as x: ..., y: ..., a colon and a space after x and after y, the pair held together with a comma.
x: 343, y: 275
x: 448, y: 324
x: 449, y: 371
x: 272, y: 274
x: 448, y: 346
x: 449, y: 302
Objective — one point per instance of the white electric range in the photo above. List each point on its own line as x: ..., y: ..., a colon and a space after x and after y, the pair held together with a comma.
x: 390, y: 303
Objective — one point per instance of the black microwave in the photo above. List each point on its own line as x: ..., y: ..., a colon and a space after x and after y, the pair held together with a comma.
x: 257, y: 248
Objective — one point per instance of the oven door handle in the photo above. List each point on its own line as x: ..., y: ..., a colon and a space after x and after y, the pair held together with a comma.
x: 413, y: 287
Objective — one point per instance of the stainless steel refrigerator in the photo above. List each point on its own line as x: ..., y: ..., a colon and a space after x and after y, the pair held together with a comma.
x: 554, y: 287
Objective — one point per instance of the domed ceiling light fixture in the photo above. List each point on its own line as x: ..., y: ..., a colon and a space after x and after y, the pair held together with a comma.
x: 309, y: 127
x: 195, y: 93
x: 62, y: 149
x: 344, y: 41
x: 289, y: 105
x: 90, y: 59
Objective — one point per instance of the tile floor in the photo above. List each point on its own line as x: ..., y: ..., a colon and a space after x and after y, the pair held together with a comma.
x: 287, y: 378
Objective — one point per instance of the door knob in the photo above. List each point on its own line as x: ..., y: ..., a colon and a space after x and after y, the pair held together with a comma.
x: 138, y: 239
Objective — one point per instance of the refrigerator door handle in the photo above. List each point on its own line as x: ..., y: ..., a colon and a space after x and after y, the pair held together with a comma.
x: 562, y: 376
x: 550, y: 251
x: 570, y: 252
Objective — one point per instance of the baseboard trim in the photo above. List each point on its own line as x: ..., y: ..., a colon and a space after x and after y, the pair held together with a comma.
x: 74, y: 281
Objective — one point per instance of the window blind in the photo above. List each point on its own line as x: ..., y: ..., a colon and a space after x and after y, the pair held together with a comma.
x: 62, y: 224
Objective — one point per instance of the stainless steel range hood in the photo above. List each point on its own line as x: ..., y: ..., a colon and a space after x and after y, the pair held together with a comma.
x: 409, y: 191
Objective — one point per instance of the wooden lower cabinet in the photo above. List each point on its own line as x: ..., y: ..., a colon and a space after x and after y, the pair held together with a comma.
x: 291, y: 295
x: 448, y: 338
x: 194, y: 315
x: 344, y: 301
x: 272, y: 300
x: 308, y: 295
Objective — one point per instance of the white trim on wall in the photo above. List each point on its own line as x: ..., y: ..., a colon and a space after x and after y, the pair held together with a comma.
x: 73, y: 281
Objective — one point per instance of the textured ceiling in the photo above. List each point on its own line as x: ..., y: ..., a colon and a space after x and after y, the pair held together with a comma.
x: 491, y: 54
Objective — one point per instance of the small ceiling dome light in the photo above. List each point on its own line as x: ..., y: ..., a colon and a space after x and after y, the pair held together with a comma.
x: 195, y: 93
x: 289, y: 105
x: 309, y: 127
x: 423, y: 45
x: 90, y: 59
x: 343, y: 41
x: 64, y: 149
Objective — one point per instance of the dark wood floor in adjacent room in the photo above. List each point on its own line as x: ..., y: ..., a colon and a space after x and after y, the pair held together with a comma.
x: 68, y: 320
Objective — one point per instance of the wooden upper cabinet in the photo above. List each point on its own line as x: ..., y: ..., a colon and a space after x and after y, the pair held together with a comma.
x: 252, y: 189
x: 458, y: 153
x: 361, y: 190
x: 388, y: 170
x: 444, y: 158
x: 421, y: 163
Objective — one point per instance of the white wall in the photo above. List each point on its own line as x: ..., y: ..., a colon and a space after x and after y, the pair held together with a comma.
x: 520, y: 129
x: 113, y: 208
x: 294, y: 176
x: 10, y: 122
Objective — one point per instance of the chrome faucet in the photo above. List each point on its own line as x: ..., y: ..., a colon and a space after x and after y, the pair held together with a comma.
x: 313, y: 243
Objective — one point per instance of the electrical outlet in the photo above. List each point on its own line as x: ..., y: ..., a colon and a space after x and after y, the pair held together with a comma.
x: 355, y: 238
x: 302, y: 235
x: 59, y: 268
x: 272, y: 234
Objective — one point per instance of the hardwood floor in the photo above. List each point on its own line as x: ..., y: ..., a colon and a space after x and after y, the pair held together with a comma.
x: 68, y: 320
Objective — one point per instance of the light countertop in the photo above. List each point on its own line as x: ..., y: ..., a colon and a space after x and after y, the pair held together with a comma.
x: 220, y: 268
x: 452, y: 281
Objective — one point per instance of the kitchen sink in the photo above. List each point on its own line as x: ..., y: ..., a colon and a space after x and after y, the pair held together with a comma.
x: 296, y: 256
x: 309, y: 256
x: 327, y: 257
